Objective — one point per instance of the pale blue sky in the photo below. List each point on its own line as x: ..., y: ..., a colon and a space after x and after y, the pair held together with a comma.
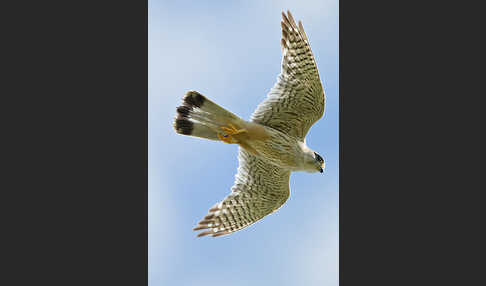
x: 230, y: 52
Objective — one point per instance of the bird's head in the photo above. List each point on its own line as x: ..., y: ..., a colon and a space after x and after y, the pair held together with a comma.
x: 313, y: 162
x: 319, y: 162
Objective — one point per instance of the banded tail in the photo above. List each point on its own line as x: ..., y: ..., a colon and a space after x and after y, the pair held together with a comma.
x: 200, y: 117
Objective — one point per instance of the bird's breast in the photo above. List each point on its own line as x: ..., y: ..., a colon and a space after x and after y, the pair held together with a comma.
x: 276, y: 147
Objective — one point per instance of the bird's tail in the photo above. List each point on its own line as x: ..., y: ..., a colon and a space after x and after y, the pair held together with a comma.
x: 200, y: 117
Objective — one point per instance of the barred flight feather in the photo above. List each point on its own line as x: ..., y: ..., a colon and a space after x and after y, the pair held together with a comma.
x: 297, y: 100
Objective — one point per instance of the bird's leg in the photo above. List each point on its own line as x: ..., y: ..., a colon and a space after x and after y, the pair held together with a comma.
x: 230, y: 132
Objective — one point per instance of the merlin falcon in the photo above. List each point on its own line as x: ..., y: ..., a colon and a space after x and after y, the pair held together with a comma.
x: 271, y: 145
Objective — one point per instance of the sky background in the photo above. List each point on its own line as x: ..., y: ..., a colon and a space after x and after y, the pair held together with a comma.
x: 230, y: 52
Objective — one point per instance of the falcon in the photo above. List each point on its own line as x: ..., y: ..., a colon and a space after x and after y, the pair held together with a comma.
x: 271, y: 145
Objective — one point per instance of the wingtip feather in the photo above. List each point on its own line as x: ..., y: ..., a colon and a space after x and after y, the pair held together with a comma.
x: 221, y: 233
x: 204, y: 233
x: 199, y: 227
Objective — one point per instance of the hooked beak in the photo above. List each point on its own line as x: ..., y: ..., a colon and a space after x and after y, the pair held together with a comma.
x: 322, y: 171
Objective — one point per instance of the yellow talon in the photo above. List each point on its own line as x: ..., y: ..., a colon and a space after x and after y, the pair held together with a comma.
x: 232, y: 130
x: 226, y: 139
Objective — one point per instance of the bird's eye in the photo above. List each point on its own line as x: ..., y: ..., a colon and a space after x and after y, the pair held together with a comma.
x: 318, y: 157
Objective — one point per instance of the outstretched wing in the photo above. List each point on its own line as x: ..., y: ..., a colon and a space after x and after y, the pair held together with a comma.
x: 296, y: 101
x: 260, y: 188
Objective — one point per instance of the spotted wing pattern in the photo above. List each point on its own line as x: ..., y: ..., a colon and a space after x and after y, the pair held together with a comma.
x: 296, y: 101
x: 260, y: 188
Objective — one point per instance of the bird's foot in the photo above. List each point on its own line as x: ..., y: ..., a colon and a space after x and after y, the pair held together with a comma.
x: 230, y: 132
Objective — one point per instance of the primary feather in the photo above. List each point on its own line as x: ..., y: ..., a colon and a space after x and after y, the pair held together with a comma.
x: 296, y: 101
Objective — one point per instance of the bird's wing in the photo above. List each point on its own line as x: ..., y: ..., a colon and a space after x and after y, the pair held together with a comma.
x: 296, y: 100
x: 259, y: 189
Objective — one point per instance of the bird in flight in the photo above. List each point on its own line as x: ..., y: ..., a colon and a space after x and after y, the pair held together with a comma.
x: 271, y: 145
